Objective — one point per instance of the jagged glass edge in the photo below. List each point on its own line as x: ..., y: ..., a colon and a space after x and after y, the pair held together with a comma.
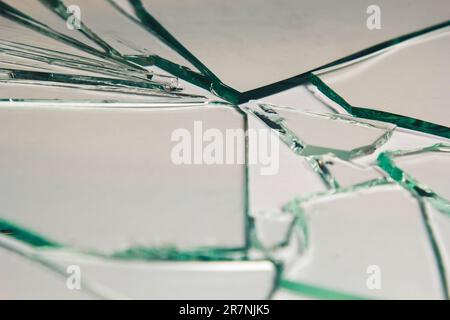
x: 386, y: 160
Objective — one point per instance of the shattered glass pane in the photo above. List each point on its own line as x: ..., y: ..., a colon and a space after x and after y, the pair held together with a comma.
x: 22, y: 278
x: 406, y: 85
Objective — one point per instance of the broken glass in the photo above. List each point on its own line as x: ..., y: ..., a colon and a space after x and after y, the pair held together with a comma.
x: 22, y: 278
x: 343, y: 174
x: 440, y: 225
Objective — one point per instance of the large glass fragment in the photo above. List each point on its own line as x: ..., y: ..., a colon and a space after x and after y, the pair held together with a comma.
x: 425, y: 172
x: 110, y: 178
x: 352, y: 236
x: 405, y: 85
x: 315, y: 134
x: 118, y: 35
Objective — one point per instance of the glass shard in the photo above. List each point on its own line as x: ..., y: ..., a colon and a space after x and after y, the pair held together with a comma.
x: 315, y: 134
x: 343, y: 174
x: 406, y: 85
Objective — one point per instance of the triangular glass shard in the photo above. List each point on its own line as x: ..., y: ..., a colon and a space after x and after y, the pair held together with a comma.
x: 254, y: 44
x: 405, y: 85
x: 315, y: 134
x: 353, y: 236
x: 425, y: 172
x: 119, y: 169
